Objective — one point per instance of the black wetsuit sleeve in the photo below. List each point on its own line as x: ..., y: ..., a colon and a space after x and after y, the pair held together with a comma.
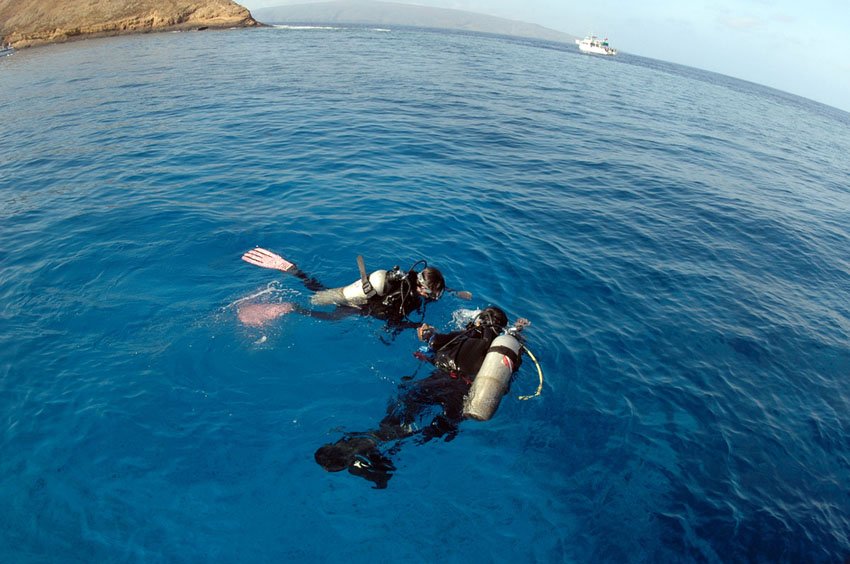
x: 440, y: 340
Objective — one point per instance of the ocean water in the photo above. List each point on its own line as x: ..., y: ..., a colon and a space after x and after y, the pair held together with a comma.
x: 678, y: 239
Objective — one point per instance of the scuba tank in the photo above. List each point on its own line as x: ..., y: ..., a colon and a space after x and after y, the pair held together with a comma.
x: 354, y: 294
x: 494, y: 377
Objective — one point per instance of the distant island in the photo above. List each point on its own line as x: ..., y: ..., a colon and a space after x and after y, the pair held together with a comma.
x: 364, y: 12
x: 27, y: 23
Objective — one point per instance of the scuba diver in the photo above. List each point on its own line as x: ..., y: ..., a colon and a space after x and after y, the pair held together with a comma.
x: 473, y: 370
x: 390, y: 295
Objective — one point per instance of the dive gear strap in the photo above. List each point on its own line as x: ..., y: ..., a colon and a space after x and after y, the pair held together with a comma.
x: 364, y: 278
x: 505, y: 351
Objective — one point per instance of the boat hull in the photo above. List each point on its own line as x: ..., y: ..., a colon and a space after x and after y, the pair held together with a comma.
x: 594, y: 46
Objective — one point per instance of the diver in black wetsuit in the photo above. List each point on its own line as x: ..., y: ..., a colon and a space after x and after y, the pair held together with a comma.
x: 457, y: 357
x: 400, y: 294
x: 391, y: 295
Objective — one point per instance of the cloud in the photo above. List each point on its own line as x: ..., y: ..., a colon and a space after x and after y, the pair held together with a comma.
x: 740, y: 23
x: 784, y: 18
x: 737, y: 22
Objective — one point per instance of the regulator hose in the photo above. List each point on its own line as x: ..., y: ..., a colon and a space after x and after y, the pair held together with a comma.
x: 539, y: 372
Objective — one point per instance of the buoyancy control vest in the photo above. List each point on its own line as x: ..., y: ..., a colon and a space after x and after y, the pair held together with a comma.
x: 461, y: 353
x: 399, y: 297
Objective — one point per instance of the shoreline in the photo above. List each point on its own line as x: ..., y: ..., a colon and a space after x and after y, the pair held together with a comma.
x: 82, y: 36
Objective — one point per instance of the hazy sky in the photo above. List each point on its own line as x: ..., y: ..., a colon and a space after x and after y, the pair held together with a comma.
x: 802, y: 47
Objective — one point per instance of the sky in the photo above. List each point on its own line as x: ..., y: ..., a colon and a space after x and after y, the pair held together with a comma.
x: 801, y: 47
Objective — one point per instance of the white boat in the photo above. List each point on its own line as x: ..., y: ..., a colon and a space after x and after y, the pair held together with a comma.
x: 592, y: 44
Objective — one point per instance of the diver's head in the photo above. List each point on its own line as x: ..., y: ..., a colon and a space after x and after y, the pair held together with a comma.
x: 492, y: 317
x: 430, y: 283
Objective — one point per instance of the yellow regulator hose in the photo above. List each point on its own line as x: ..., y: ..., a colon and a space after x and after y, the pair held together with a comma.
x: 539, y: 371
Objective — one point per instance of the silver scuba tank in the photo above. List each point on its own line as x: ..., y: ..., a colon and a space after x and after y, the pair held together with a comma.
x: 493, y: 379
x: 353, y: 294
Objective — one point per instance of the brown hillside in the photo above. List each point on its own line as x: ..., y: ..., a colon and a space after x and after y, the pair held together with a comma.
x: 25, y: 23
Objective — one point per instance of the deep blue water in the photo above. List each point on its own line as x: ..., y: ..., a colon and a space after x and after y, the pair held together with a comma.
x: 678, y: 239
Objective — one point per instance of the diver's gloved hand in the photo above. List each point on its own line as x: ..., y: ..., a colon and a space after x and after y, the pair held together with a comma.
x: 424, y: 332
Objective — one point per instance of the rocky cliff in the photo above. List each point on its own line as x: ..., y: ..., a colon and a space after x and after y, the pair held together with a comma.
x: 25, y: 23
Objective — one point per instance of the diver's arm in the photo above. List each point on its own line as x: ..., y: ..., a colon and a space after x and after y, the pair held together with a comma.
x: 436, y: 341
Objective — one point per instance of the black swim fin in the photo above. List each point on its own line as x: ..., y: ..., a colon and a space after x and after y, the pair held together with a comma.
x: 374, y: 467
x: 361, y: 456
